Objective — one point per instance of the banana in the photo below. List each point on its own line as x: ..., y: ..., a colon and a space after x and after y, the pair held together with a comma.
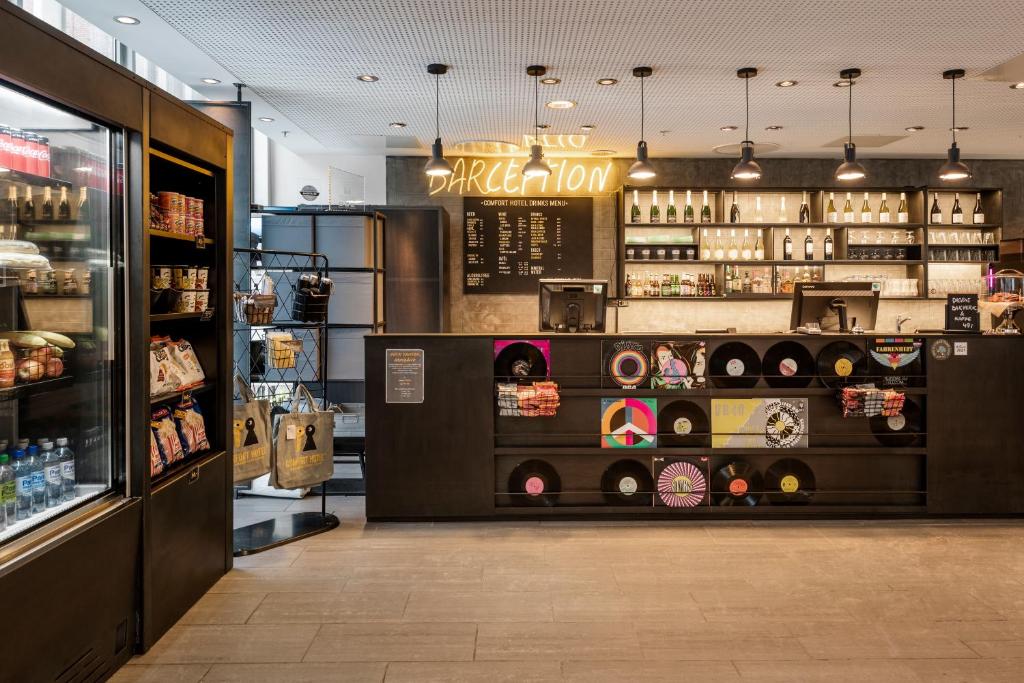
x: 54, y: 338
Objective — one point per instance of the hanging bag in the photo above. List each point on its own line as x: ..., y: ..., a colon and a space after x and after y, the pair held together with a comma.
x: 303, y: 444
x: 251, y: 434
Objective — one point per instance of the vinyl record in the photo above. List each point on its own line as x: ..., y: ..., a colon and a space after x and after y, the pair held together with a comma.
x: 520, y: 359
x: 735, y: 365
x: 738, y: 483
x: 789, y: 482
x: 629, y: 367
x: 788, y: 365
x: 902, y: 430
x: 841, y: 363
x: 682, y: 485
x: 627, y: 482
x: 682, y: 423
x: 537, y: 480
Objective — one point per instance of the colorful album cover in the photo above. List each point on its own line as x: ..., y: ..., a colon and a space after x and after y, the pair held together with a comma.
x: 678, y: 365
x: 897, y: 361
x: 629, y: 423
x: 759, y: 423
x: 625, y: 363
x: 522, y: 357
x: 680, y: 482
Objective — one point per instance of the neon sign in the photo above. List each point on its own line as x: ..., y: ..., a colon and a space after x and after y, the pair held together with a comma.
x: 503, y: 176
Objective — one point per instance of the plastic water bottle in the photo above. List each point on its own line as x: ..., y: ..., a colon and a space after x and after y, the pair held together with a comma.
x: 51, y: 475
x: 38, y: 479
x: 22, y: 486
x: 8, y: 500
x: 67, y: 469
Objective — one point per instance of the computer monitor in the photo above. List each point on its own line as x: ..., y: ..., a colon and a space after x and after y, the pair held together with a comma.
x: 573, y: 305
x: 835, y: 306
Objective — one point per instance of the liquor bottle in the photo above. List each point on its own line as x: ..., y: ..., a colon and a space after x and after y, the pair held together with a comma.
x: 782, y: 210
x: 848, y: 215
x: 745, y: 252
x: 979, y: 214
x: 936, y: 212
x: 865, y: 210
x: 712, y: 287
x: 805, y: 210
x: 746, y: 282
x: 655, y: 211
x: 10, y: 216
x: 728, y: 278
x: 84, y: 210
x: 957, y: 216
x: 759, y: 248
x: 902, y: 213
x: 787, y: 247
x: 734, y: 251
x: 64, y: 207
x: 758, y: 217
x: 705, y: 247
x: 28, y: 207
x: 666, y: 285
x: 705, y: 210
x: 47, y: 204
x: 808, y: 246
x: 829, y: 251
x: 670, y: 213
x: 634, y: 213
x: 719, y: 251
x: 688, y: 211
x: 734, y: 210
x: 883, y: 211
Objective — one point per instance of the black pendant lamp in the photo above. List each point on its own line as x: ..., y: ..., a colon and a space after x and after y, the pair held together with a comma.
x: 954, y: 169
x: 850, y: 169
x: 536, y: 166
x: 438, y: 165
x: 641, y: 169
x: 747, y: 168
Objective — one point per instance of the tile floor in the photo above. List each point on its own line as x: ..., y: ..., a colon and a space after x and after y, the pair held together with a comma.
x: 609, y: 601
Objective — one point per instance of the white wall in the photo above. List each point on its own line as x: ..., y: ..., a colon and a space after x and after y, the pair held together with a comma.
x: 289, y: 172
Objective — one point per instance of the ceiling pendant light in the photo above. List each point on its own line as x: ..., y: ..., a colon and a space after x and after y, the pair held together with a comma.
x: 641, y: 169
x: 850, y: 169
x: 954, y: 169
x: 747, y: 168
x: 536, y: 166
x: 438, y: 165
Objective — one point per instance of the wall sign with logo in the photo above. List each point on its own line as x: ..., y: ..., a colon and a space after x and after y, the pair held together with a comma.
x: 504, y: 177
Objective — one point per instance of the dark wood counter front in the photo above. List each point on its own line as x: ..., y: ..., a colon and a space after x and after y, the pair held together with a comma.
x: 747, y: 426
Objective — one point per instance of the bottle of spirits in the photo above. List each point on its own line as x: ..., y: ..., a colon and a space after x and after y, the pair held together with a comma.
x: 831, y: 215
x: 666, y: 285
x: 805, y: 210
x: 734, y: 210
x: 787, y: 247
x: 655, y: 211
x: 865, y: 210
x: 712, y: 287
x: 829, y: 250
x: 979, y: 214
x: 758, y: 216
x: 84, y: 209
x: 747, y: 288
x: 728, y: 278
x: 936, y: 212
x: 634, y: 213
x: 28, y: 207
x: 705, y: 246
x: 782, y: 209
x: 848, y: 215
x: 883, y: 211
x: 64, y: 207
x: 902, y: 212
x: 957, y: 216
x: 705, y: 210
x: 808, y: 246
x: 734, y: 252
x: 670, y: 212
x: 47, y: 204
x: 759, y: 247
x: 719, y: 251
x: 745, y: 252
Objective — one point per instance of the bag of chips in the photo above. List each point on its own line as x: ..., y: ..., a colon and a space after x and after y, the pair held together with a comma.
x: 164, y: 375
x: 184, y: 358
x: 166, y: 436
x: 188, y: 419
x: 156, y: 463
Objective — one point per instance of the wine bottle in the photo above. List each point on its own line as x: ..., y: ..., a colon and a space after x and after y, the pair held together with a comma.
x: 719, y: 251
x: 64, y: 207
x: 759, y: 247
x: 688, y: 211
x: 655, y: 211
x: 84, y: 210
x: 745, y: 252
x: 902, y: 213
x: 782, y: 209
x: 805, y: 210
x: 865, y: 210
x: 787, y: 247
x: 829, y: 251
x: 883, y: 211
x: 47, y: 204
x: 758, y: 216
x: 848, y: 215
x: 979, y: 214
x: 11, y: 212
x: 705, y: 210
x: 808, y: 246
x: 28, y: 207
x: 734, y: 251
x: 634, y: 213
x: 670, y: 212
x: 705, y: 247
x: 957, y: 216
x: 936, y: 212
x: 734, y: 210
x: 832, y: 216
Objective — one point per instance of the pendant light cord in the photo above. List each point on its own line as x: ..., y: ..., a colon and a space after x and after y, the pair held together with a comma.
x: 536, y: 109
x: 642, y: 107
x: 954, y: 110
x: 746, y: 129
x: 437, y: 104
x: 849, y: 114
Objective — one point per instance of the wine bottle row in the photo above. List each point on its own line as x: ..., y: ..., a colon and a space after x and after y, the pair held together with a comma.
x: 671, y: 213
x: 24, y: 209
x: 956, y: 214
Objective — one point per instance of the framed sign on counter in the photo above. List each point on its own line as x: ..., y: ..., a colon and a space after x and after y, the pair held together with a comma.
x: 509, y: 244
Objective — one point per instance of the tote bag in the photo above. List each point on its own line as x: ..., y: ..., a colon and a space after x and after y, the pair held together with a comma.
x: 251, y: 427
x: 303, y: 444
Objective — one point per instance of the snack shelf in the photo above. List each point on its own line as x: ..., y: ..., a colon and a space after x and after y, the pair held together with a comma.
x: 203, y: 315
x: 32, y: 388
x: 194, y: 460
x: 164, y: 234
x: 173, y: 395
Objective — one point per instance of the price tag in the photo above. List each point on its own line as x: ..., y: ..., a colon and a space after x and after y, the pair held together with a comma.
x: 289, y: 433
x: 207, y: 315
x: 200, y: 241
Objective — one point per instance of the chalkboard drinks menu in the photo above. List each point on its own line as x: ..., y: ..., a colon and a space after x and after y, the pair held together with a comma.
x: 511, y: 243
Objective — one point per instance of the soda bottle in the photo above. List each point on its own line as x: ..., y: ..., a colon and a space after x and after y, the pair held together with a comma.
x: 8, y: 500
x: 67, y: 469
x: 38, y: 479
x: 51, y: 475
x: 22, y: 485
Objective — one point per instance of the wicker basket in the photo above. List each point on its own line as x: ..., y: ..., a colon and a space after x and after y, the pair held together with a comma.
x: 282, y: 351
x: 259, y: 308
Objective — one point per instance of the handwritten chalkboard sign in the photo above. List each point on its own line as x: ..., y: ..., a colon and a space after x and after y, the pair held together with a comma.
x: 962, y: 313
x: 511, y: 243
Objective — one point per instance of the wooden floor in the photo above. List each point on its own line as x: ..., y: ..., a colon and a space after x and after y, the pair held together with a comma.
x: 590, y: 601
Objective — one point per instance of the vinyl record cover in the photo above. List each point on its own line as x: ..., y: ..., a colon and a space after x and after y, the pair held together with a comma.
x: 629, y: 423
x: 759, y: 423
x: 626, y: 363
x: 678, y: 365
x: 522, y: 358
x: 681, y: 482
x: 896, y: 361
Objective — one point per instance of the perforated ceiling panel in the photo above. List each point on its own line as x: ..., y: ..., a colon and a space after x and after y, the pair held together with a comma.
x: 303, y: 56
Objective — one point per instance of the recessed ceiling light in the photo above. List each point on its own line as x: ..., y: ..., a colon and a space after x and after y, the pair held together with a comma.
x: 602, y: 152
x: 773, y: 127
x: 560, y: 104
x: 266, y: 119
x: 126, y: 20
x: 397, y: 124
x: 844, y: 83
x: 957, y: 129
x: 587, y: 127
x: 550, y: 80
x: 543, y: 126
x: 727, y: 129
x: 210, y: 81
x: 786, y: 84
x: 1017, y: 86
x: 367, y: 78
x: 607, y: 81
x: 83, y: 169
x: 914, y: 129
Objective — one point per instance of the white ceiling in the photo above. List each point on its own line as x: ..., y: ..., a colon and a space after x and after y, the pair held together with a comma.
x: 301, y: 57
